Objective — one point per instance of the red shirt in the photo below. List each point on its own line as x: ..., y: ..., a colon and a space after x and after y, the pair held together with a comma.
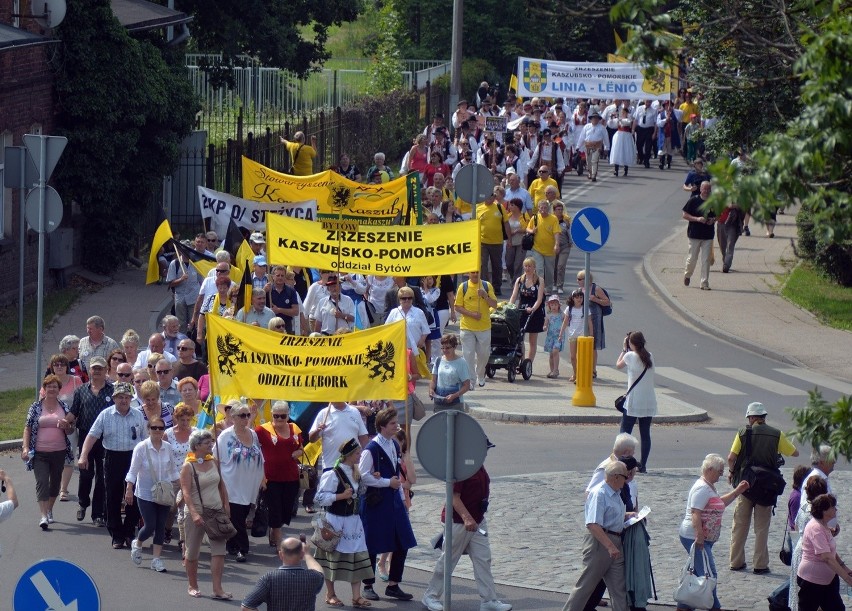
x: 279, y: 465
x: 473, y: 491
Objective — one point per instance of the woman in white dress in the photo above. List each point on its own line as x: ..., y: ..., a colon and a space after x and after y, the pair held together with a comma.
x: 623, y: 152
x: 338, y: 492
x: 641, y: 401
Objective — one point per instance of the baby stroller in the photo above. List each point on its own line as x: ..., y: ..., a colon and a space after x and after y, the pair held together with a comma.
x: 507, y: 344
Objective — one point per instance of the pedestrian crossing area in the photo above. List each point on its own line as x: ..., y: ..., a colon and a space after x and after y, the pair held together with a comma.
x: 733, y: 381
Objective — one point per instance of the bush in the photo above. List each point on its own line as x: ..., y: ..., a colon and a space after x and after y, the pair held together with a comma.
x: 833, y: 260
x: 474, y: 71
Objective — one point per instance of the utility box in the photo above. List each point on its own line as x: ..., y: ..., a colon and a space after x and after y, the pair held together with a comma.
x: 61, y: 248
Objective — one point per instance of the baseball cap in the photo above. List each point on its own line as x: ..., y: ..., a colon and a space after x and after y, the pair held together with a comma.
x: 122, y: 388
x: 97, y: 361
x: 553, y: 298
x: 257, y: 238
x: 260, y: 260
x: 755, y: 409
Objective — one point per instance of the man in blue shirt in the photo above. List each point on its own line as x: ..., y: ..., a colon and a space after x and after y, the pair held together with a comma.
x: 603, y: 556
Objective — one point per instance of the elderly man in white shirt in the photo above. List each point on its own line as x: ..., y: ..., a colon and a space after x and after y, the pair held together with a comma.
x: 595, y: 140
x: 334, y: 312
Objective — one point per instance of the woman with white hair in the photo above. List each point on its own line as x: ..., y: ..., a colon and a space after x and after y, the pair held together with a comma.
x: 625, y: 445
x: 702, y: 523
x: 281, y: 447
x: 69, y: 346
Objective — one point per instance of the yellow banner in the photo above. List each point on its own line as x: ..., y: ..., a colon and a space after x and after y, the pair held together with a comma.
x: 335, y: 195
x: 247, y: 361
x: 425, y: 250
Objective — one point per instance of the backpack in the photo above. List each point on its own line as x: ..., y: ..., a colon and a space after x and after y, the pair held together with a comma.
x: 605, y: 310
x: 464, y: 287
x: 766, y: 484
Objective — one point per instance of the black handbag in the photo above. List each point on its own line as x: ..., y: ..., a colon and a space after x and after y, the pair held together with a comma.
x: 620, y: 401
x: 529, y: 238
x: 260, y: 523
x: 786, y: 553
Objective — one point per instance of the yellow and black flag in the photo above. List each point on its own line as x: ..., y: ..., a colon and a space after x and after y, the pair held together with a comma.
x: 243, y: 300
x: 201, y: 262
x: 242, y: 256
x: 161, y: 237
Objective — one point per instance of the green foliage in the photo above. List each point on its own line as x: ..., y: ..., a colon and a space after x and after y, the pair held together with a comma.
x: 385, y: 70
x: 812, y: 290
x: 55, y: 304
x: 474, y: 71
x: 822, y: 422
x: 272, y: 32
x: 124, y: 112
x: 14, y: 405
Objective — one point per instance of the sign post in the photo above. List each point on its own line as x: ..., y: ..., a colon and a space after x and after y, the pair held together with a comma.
x: 45, y: 151
x: 589, y: 232
x: 451, y: 446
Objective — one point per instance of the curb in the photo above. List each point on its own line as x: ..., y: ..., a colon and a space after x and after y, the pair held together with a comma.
x: 11, y: 444
x: 481, y: 413
x: 749, y: 345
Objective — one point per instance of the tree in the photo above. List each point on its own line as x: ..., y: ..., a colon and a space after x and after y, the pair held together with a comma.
x: 273, y: 32
x: 124, y: 112
x: 385, y: 70
x: 822, y: 422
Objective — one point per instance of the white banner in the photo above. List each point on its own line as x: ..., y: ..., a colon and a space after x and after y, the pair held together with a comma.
x: 220, y: 208
x: 546, y: 78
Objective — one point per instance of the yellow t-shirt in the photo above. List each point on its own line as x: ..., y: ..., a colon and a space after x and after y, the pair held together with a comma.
x: 537, y: 188
x: 303, y: 162
x: 688, y: 108
x: 471, y: 300
x: 491, y: 218
x: 545, y: 237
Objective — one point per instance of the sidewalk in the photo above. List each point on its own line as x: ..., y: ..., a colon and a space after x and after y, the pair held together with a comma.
x: 744, y: 306
x: 125, y: 302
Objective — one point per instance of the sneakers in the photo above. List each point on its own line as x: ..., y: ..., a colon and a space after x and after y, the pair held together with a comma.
x: 136, y: 553
x: 43, y: 523
x: 431, y: 603
x: 746, y: 231
x: 369, y: 593
x: 396, y: 592
x: 81, y: 514
x: 480, y: 382
x: 686, y: 281
x: 50, y: 519
x: 157, y: 565
x: 495, y: 605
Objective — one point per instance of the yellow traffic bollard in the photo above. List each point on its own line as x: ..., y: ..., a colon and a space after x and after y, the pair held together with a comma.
x: 583, y: 394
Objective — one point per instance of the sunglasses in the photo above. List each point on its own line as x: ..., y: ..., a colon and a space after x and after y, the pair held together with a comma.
x: 228, y: 408
x: 281, y: 416
x: 406, y: 298
x: 124, y: 375
x: 279, y: 327
x: 183, y: 348
x: 221, y: 271
x: 243, y: 415
x: 162, y: 372
x: 157, y: 428
x: 133, y: 432
x: 117, y: 358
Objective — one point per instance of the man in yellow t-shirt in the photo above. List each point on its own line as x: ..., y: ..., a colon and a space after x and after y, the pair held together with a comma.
x: 493, y: 227
x: 301, y: 154
x: 541, y: 183
x: 545, y: 227
x: 474, y: 299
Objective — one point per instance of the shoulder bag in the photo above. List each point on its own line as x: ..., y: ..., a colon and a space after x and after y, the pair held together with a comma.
x: 162, y: 492
x: 217, y: 524
x: 693, y: 590
x: 620, y: 401
x: 325, y: 536
x: 529, y: 238
x: 786, y: 553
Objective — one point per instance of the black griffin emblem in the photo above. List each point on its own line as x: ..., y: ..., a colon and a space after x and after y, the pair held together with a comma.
x: 380, y: 361
x: 341, y: 196
x: 230, y: 354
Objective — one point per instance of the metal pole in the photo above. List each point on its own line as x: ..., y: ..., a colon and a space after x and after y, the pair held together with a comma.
x: 456, y: 55
x: 42, y: 171
x: 448, y: 519
x: 23, y: 236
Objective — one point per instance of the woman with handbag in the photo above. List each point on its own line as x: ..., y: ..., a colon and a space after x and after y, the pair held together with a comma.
x: 203, y: 492
x: 814, y: 487
x: 338, y: 492
x: 241, y: 463
x: 703, y: 520
x: 281, y: 447
x: 821, y: 568
x: 152, y: 479
x: 641, y: 400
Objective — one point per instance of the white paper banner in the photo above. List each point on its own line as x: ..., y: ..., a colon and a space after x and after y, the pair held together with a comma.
x: 220, y: 208
x: 546, y: 78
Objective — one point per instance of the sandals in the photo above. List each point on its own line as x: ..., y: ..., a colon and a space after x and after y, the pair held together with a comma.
x: 63, y: 495
x: 223, y: 596
x: 193, y: 592
x: 361, y: 603
x: 333, y: 601
x: 310, y: 509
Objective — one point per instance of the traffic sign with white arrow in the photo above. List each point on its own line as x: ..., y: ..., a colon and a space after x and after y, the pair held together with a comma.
x: 58, y: 585
x: 590, y: 229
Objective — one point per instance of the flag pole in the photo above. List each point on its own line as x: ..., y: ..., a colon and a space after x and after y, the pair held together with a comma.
x: 179, y: 260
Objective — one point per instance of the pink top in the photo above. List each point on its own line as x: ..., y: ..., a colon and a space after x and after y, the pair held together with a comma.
x: 66, y: 393
x: 816, y: 540
x: 50, y: 437
x: 204, y: 387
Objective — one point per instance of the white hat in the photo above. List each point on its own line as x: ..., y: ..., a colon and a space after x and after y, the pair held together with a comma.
x: 553, y: 298
x: 755, y: 409
x: 257, y: 238
x: 510, y: 170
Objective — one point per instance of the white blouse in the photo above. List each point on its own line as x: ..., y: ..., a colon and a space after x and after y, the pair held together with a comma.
x: 144, y: 457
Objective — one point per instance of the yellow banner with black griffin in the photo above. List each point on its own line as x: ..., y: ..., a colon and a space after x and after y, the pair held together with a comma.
x: 395, y: 202
x: 425, y: 250
x: 248, y: 361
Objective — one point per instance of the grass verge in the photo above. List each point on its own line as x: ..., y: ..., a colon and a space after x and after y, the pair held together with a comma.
x: 55, y: 303
x: 13, y: 411
x: 829, y: 302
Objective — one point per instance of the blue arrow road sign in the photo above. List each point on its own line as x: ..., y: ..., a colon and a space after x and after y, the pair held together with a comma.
x: 590, y: 229
x: 57, y: 585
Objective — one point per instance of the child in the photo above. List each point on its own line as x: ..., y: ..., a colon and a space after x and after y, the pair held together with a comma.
x: 573, y: 321
x: 553, y: 341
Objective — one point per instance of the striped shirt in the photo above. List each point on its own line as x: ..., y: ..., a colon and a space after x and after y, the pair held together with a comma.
x: 86, y: 405
x: 88, y: 351
x: 289, y: 588
x: 120, y: 433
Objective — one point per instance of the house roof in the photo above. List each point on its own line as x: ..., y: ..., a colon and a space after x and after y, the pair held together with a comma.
x: 17, y: 38
x: 140, y: 15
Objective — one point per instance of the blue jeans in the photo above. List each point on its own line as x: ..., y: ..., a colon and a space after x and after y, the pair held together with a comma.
x: 627, y: 423
x: 154, y: 516
x: 699, y: 564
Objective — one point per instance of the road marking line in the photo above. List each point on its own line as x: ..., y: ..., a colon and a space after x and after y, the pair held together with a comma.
x: 694, y: 381
x: 763, y: 383
x: 818, y: 379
